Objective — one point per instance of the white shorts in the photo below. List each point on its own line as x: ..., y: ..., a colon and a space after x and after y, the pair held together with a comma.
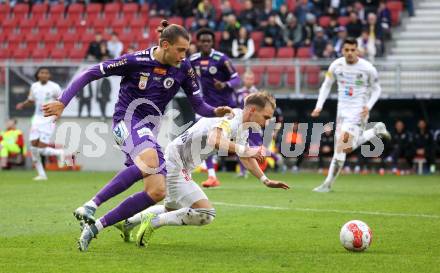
x: 354, y: 129
x: 42, y: 131
x: 182, y: 191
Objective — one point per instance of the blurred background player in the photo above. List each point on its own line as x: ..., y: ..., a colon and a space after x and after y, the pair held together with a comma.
x: 11, y: 143
x: 358, y: 91
x: 402, y: 145
x: 218, y: 80
x: 186, y: 203
x: 43, y: 91
x: 151, y: 78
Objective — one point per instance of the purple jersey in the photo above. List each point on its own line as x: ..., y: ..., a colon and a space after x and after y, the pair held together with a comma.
x: 143, y: 78
x: 242, y: 93
x: 216, y: 66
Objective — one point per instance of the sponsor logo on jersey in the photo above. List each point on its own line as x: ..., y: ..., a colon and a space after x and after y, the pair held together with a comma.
x: 117, y: 64
x: 143, y: 59
x: 168, y: 82
x: 142, y: 52
x: 216, y: 57
x: 204, y: 62
x: 198, y: 71
x: 144, y: 132
x: 212, y: 70
x: 349, y: 91
x: 143, y: 82
x: 160, y: 71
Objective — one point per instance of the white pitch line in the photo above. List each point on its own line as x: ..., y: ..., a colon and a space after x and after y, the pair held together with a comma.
x: 432, y: 216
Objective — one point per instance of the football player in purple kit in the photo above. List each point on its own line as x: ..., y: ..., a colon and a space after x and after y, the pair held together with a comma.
x: 218, y: 80
x: 151, y: 78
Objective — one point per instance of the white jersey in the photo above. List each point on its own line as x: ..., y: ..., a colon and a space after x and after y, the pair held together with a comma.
x: 357, y: 85
x: 190, y: 148
x: 42, y: 94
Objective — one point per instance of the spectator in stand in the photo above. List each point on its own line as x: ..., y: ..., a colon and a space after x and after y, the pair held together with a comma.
x: 329, y: 52
x: 104, y: 51
x: 375, y: 32
x: 205, y: 16
x: 293, y: 33
x: 410, y: 7
x: 309, y: 29
x: 318, y: 7
x: 115, y: 46
x: 319, y: 43
x: 342, y: 35
x: 226, y: 43
x: 161, y: 7
x: 326, y: 146
x: 424, y: 143
x: 232, y: 26
x: 370, y: 6
x: 263, y: 19
x: 248, y: 16
x: 366, y: 46
x: 226, y: 8
x: 354, y: 27
x: 11, y: 143
x: 401, y: 146
x: 184, y: 8
x: 243, y: 47
x: 384, y: 19
x: 301, y: 11
x: 283, y: 15
x: 273, y: 36
x: 360, y: 10
x: 332, y: 30
x: 97, y: 49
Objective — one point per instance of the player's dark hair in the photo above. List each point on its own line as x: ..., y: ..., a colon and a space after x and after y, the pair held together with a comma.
x: 38, y: 71
x: 350, y: 41
x: 260, y: 99
x: 171, y: 32
x: 205, y: 31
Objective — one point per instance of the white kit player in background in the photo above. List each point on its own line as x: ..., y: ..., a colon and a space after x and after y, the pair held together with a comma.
x: 185, y: 202
x: 358, y: 90
x: 42, y: 128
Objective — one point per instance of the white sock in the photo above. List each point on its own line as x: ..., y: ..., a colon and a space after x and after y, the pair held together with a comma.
x: 211, y: 172
x: 91, y: 203
x: 184, y: 216
x: 136, y: 219
x: 366, y: 136
x: 36, y: 158
x: 336, y: 166
x: 50, y: 151
x: 172, y: 218
x: 99, y: 225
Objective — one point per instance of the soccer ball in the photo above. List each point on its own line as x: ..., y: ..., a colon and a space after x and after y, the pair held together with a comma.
x: 356, y: 236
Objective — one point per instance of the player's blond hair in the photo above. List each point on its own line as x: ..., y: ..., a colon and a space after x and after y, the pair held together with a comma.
x: 260, y: 99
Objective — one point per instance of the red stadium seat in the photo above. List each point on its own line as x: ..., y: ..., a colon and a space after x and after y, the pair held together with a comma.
x: 139, y: 21
x: 33, y: 37
x: 110, y: 9
x: 93, y: 9
x: 58, y: 53
x: 240, y: 69
x: 52, y: 37
x: 68, y: 36
x: 63, y: 22
x: 126, y: 37
x: 46, y: 22
x: 266, y: 53
x: 100, y: 22
x: 154, y: 22
x: 39, y: 8
x: 286, y: 52
x: 257, y: 36
x: 28, y: 22
x: 291, y: 5
x: 188, y: 22
x: 75, y: 8
x: 291, y: 76
x: 275, y: 75
x: 15, y: 37
x: 343, y: 20
x: 218, y: 37
x: 20, y: 53
x: 9, y: 22
x: 145, y: 9
x: 87, y: 37
x: 303, y: 53
x: 312, y: 75
x: 176, y: 20
x: 120, y: 22
x: 39, y: 53
x: 78, y: 53
x: 324, y: 21
x: 396, y: 8
x: 5, y: 53
x: 259, y: 71
x: 4, y: 10
x: 236, y: 6
x: 130, y: 9
x: 56, y: 10
x: 21, y: 10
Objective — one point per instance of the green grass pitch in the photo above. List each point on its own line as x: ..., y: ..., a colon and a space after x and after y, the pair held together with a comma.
x: 257, y: 229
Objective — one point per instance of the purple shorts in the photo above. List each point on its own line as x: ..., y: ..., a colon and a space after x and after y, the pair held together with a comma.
x: 133, y: 141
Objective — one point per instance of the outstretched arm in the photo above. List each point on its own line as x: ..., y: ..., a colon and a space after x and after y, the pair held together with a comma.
x: 324, y: 91
x: 252, y: 165
x: 28, y: 102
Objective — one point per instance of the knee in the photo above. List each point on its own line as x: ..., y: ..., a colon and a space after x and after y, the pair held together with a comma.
x: 157, y: 193
x: 147, y: 161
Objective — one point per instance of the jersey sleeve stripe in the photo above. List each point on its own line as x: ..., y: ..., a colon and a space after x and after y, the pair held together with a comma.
x: 101, y: 67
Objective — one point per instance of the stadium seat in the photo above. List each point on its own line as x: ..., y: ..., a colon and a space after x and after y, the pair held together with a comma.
x: 33, y: 37
x: 291, y: 76
x: 39, y: 9
x: 312, y: 75
x: 236, y: 6
x: 324, y: 21
x: 303, y: 53
x: 5, y: 53
x: 4, y: 10
x: 130, y: 9
x: 257, y: 36
x: 188, y: 22
x: 396, y: 8
x: 15, y: 37
x: 93, y: 9
x: 139, y: 21
x: 218, y: 37
x: 291, y: 5
x: 75, y: 8
x: 46, y: 22
x: 20, y: 53
x: 21, y: 10
x: 100, y: 23
x: 111, y: 9
x: 240, y: 69
x: 126, y: 37
x: 9, y: 22
x: 87, y: 37
x: 58, y: 53
x: 176, y: 20
x: 69, y: 36
x: 63, y: 22
x: 78, y: 53
x: 52, y: 37
x: 286, y: 52
x: 39, y: 53
x: 343, y: 20
x: 266, y: 53
x: 259, y: 71
x: 275, y: 75
x: 56, y: 10
x: 145, y: 9
x: 27, y: 23
x: 120, y: 22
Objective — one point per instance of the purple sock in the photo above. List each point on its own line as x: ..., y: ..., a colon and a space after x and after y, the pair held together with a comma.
x: 129, y: 207
x: 122, y: 181
x: 209, y: 164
